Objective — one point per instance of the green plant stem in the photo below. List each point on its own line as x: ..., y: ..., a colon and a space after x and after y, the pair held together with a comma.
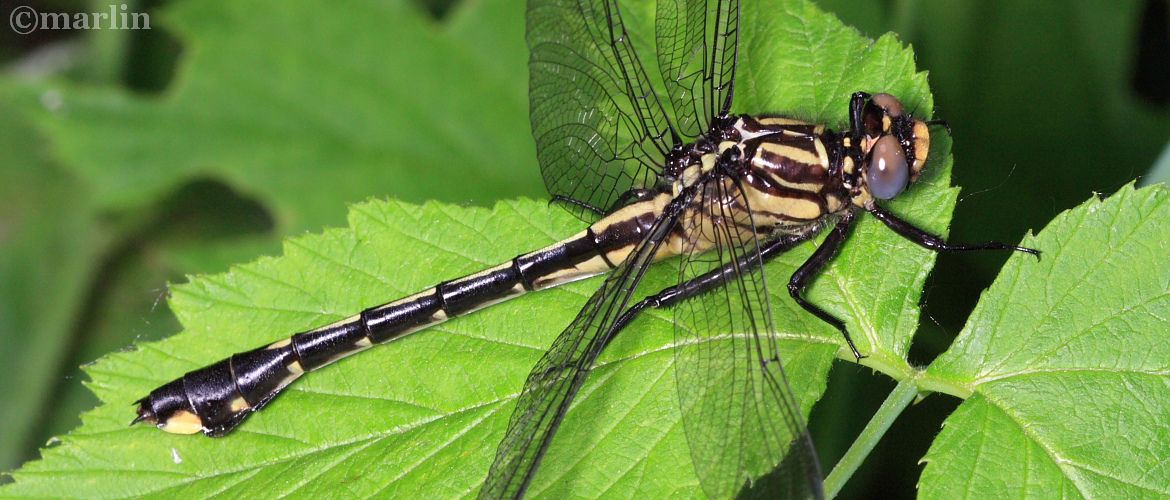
x: 897, y: 401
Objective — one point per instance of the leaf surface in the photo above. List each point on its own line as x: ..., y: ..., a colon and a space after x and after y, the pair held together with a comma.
x: 307, y: 108
x: 1067, y: 364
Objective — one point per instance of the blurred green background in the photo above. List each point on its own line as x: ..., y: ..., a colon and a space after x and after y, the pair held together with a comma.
x: 132, y: 158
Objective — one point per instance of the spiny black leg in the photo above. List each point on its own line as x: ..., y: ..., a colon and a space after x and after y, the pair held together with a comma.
x: 671, y: 296
x: 576, y: 203
x: 627, y: 198
x: 932, y: 242
x: 813, y: 266
x: 715, y: 278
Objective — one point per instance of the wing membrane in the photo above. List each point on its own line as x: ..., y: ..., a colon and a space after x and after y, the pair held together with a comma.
x: 558, y: 375
x: 600, y: 129
x: 697, y: 43
x: 741, y: 419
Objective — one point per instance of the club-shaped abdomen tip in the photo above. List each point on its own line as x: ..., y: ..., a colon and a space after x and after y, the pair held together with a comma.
x: 168, y: 409
x: 145, y: 414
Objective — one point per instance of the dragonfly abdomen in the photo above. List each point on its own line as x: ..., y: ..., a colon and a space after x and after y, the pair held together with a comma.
x: 217, y: 398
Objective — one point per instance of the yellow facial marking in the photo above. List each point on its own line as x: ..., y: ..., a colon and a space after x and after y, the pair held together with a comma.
x: 921, y: 146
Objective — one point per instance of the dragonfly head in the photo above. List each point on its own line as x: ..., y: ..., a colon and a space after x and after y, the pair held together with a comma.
x: 894, y: 146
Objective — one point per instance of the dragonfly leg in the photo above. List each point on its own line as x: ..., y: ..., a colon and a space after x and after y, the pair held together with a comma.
x: 559, y: 198
x: 632, y: 196
x: 813, y: 267
x: 932, y: 242
x: 628, y: 198
x: 671, y: 296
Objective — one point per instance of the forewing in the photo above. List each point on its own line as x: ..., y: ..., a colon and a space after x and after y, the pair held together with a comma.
x: 558, y: 375
x: 741, y: 419
x: 600, y: 129
x: 697, y: 43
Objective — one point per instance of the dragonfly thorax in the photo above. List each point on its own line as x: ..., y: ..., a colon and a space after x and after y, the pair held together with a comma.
x: 792, y: 174
x: 781, y: 171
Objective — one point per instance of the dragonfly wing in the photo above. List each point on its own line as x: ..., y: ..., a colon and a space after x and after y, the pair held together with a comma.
x: 741, y: 419
x: 556, y: 378
x: 600, y: 128
x: 697, y: 42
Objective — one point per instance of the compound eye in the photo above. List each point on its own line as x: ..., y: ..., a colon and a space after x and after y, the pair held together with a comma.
x: 890, y: 104
x: 888, y: 171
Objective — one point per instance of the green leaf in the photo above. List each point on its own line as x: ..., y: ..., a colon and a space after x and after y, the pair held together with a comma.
x: 1067, y: 364
x: 47, y: 260
x: 422, y: 416
x: 280, y: 101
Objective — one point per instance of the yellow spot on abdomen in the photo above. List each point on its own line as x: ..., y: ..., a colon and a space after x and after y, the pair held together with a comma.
x: 182, y: 422
x: 239, y: 405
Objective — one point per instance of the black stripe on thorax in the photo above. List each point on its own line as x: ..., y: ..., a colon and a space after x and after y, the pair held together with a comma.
x: 763, y: 184
x: 786, y: 167
x: 760, y: 124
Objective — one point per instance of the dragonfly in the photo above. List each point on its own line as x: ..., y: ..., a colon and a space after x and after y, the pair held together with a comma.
x: 658, y: 168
